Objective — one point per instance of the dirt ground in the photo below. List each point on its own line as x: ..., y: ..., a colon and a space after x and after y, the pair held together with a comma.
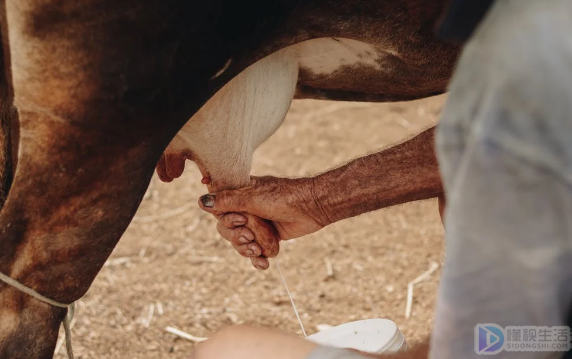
x: 172, y: 269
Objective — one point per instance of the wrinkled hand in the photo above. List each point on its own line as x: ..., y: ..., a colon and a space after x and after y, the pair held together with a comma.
x: 255, y: 218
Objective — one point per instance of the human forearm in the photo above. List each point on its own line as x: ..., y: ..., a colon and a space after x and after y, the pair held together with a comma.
x: 292, y: 208
x: 402, y: 173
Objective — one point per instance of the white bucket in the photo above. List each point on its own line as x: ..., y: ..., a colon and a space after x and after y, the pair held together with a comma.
x: 374, y: 336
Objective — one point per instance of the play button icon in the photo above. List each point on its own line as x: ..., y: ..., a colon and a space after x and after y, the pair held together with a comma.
x: 489, y: 339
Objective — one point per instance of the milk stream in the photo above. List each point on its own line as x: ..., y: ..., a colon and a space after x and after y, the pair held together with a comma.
x: 291, y: 299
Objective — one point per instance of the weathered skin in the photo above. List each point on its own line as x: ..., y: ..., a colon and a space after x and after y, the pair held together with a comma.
x: 103, y: 86
x: 296, y: 207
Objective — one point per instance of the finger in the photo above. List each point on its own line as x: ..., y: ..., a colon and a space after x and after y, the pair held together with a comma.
x: 248, y: 250
x: 261, y: 263
x: 233, y: 220
x: 236, y: 236
x: 227, y: 201
x: 264, y: 234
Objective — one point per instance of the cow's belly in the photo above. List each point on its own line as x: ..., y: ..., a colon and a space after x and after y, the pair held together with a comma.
x: 345, y: 69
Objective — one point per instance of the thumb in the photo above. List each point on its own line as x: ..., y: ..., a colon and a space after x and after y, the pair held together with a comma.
x: 225, y: 201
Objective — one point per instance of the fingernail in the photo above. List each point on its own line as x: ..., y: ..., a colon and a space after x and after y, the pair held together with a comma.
x: 208, y: 200
x: 258, y: 266
x: 243, y: 239
x: 238, y: 223
x: 254, y: 248
x: 249, y: 252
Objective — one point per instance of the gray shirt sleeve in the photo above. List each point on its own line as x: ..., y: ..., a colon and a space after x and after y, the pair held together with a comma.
x: 333, y: 353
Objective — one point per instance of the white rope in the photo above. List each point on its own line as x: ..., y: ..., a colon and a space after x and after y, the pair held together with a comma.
x: 291, y: 299
x: 38, y: 296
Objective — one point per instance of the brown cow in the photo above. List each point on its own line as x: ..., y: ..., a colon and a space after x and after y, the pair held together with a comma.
x: 102, y: 87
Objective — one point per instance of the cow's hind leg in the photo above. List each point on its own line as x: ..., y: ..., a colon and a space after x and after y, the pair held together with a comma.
x: 100, y: 91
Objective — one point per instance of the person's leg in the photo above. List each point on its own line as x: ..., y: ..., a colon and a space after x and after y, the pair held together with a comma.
x: 247, y: 342
x: 505, y: 151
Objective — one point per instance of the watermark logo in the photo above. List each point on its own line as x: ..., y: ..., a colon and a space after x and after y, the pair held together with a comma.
x: 491, y: 339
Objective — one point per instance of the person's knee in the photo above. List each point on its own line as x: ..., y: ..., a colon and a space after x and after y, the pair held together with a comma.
x: 220, y: 344
x: 239, y: 342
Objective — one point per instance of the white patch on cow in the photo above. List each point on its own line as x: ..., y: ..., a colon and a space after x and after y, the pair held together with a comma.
x: 222, y: 136
x: 326, y: 55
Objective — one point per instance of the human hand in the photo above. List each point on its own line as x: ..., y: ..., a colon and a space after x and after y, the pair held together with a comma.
x: 256, y: 217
